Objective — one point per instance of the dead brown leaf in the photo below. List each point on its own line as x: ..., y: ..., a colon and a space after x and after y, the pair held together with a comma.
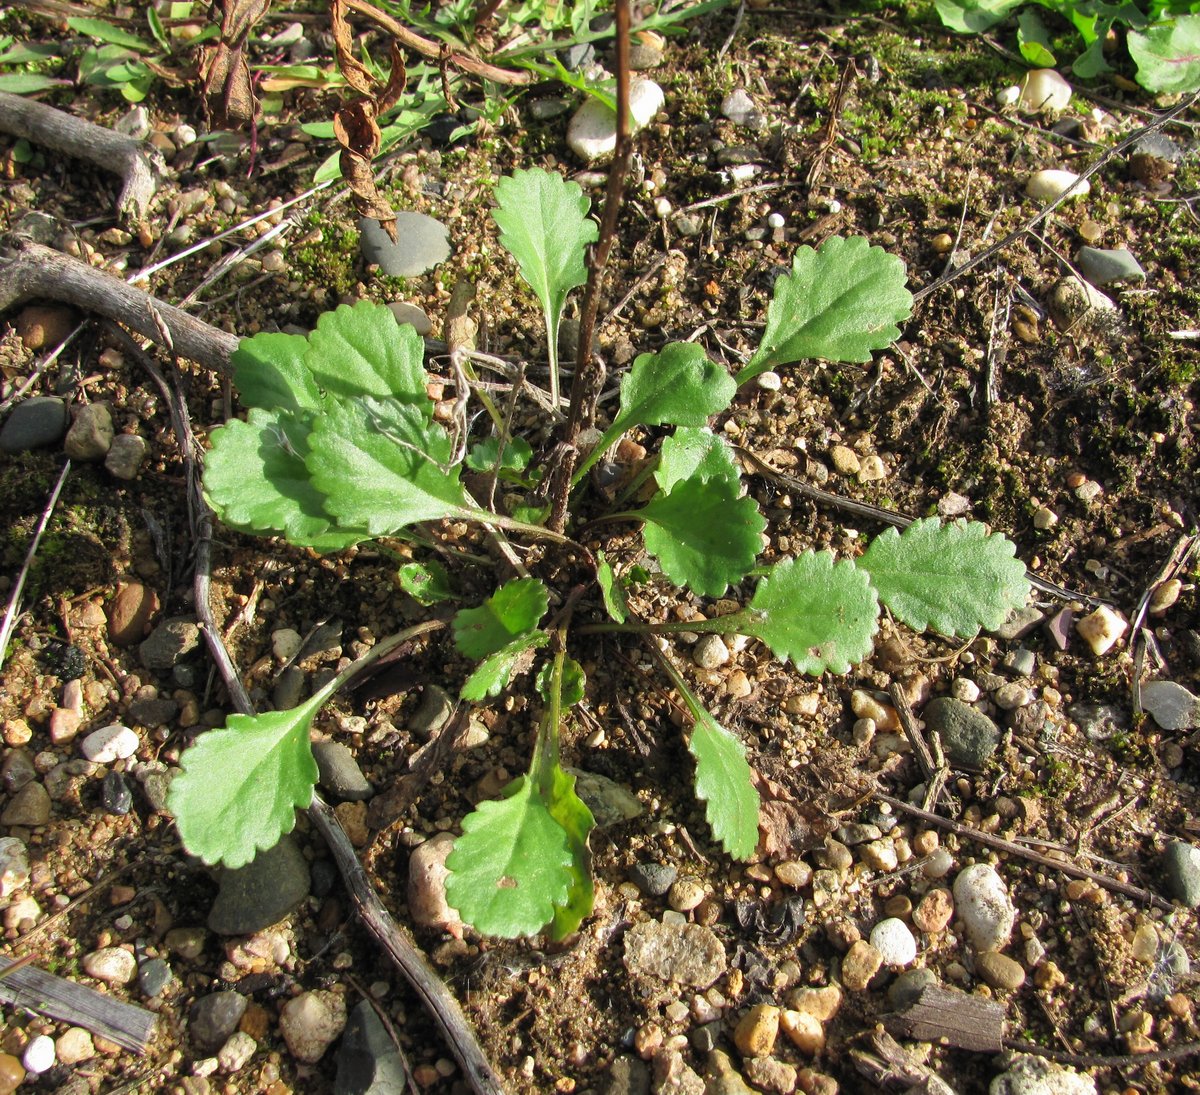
x: 229, y: 99
x: 788, y: 827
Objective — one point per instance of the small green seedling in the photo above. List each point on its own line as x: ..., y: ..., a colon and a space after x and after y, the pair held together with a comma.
x: 340, y: 445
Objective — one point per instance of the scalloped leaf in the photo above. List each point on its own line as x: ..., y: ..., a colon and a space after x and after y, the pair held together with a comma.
x: 840, y: 303
x: 256, y: 480
x: 361, y: 350
x: 267, y: 774
x: 723, y: 781
x: 496, y: 670
x: 383, y: 467
x: 614, y: 596
x: 512, y: 868
x: 956, y: 579
x: 695, y: 453
x: 426, y: 583
x: 678, y: 386
x: 1167, y: 55
x: 485, y: 455
x: 269, y: 371
x: 704, y: 536
x: 512, y: 612
x: 572, y: 813
x: 573, y: 681
x: 819, y: 614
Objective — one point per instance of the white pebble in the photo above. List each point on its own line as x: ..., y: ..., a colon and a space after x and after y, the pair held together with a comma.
x: 1101, y: 629
x: 710, y: 652
x: 894, y: 942
x: 285, y: 644
x: 39, y: 1055
x: 109, y: 743
x: 964, y: 689
x: 770, y: 381
x: 115, y: 965
x: 1051, y: 184
x: 775, y: 220
x: 987, y: 911
x: 427, y: 877
x: 237, y: 1051
x: 1044, y: 89
x: 593, y: 129
x: 835, y: 206
x: 662, y: 207
x: 1007, y: 96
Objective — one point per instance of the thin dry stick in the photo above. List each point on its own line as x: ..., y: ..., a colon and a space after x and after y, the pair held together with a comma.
x: 1093, y: 1060
x: 1000, y: 844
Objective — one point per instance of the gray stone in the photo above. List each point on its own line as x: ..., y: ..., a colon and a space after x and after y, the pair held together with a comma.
x: 153, y: 713
x: 609, y: 802
x: 1099, y: 721
x: 689, y: 954
x: 339, y: 773
x: 432, y: 712
x: 169, y: 642
x: 687, y: 225
x: 214, y: 1017
x: 642, y: 57
x: 1181, y: 871
x: 126, y: 457
x: 1074, y: 301
x: 740, y: 109
x: 1108, y: 267
x: 261, y: 893
x: 115, y: 794
x: 907, y: 988
x: 37, y: 226
x: 542, y: 110
x: 1171, y: 705
x: 29, y: 807
x: 289, y: 688
x: 91, y: 434
x: 721, y: 1078
x: 368, y: 1062
x: 968, y: 735
x: 34, y: 423
x: 627, y: 1076
x: 410, y: 313
x: 421, y: 243
x: 1020, y: 622
x: 155, y: 785
x: 1030, y: 1075
x: 1022, y: 661
x: 653, y: 879
x: 18, y: 769
x: 578, y: 56
x: 856, y: 832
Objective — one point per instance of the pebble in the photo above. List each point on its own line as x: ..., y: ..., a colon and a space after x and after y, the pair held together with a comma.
x: 642, y: 56
x: 609, y: 802
x: 592, y: 131
x: 1058, y: 627
x: 740, y: 108
x: 768, y: 1074
x: 410, y: 313
x: 934, y: 911
x: 653, y: 879
x: 29, y: 807
x: 1030, y: 1075
x: 262, y: 892
x: 1101, y: 629
x: 339, y: 773
x: 908, y: 986
x: 710, y: 652
x: 1011, y: 696
x: 1164, y: 597
x: 1043, y: 89
x: 757, y: 1030
x: 1000, y: 971
x: 126, y: 456
x: 110, y: 743
x: 821, y: 1002
x: 432, y: 712
x: 1181, y: 872
x: 154, y: 975
x: 368, y: 1060
x: 1021, y: 621
x: 421, y: 244
x: 286, y: 643
x: 91, y: 434
x: 794, y: 873
x: 894, y: 942
x: 983, y: 904
x: 861, y: 962
x: 1171, y: 705
x: 1073, y: 299
x: 235, y: 1054
x: 213, y: 1018
x: 1044, y: 518
x: 289, y: 688
x: 845, y: 460
x: 872, y: 469
x: 968, y: 735
x: 427, y: 877
x: 74, y: 1045
x: 130, y: 611
x: 115, y: 794
x: 769, y: 381
x: 43, y: 325
x: 39, y: 1054
x: 689, y: 954
x: 805, y: 1032
x: 311, y: 1022
x: 880, y: 855
x: 34, y: 423
x: 169, y: 643
x: 187, y: 942
x: 114, y: 965
x: 14, y: 865
x: 685, y: 895
x: 721, y: 1078
x: 953, y: 504
x: 1051, y: 184
x: 1108, y: 267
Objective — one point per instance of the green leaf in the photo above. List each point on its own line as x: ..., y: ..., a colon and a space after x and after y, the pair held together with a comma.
x: 974, y: 16
x: 704, y: 536
x: 362, y: 350
x: 267, y: 773
x: 571, y: 812
x: 380, y: 467
x: 614, y: 596
x: 838, y: 304
x: 544, y: 225
x: 154, y: 21
x: 723, y: 782
x: 1033, y: 39
x: 573, y: 681
x: 494, y: 672
x: 693, y: 453
x: 426, y: 583
x: 511, y: 869
x: 820, y: 614
x: 256, y: 481
x: 270, y: 372
x: 485, y: 455
x: 512, y: 611
x: 28, y: 83
x: 106, y: 32
x: 954, y: 579
x: 1168, y: 55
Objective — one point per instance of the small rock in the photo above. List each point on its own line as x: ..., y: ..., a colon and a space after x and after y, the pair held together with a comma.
x: 984, y: 905
x: 1043, y: 89
x: 152, y: 713
x: 741, y: 109
x: 1021, y: 622
x: 39, y: 1054
x: 644, y: 56
x: 609, y: 802
x: 822, y: 1003
x: 91, y: 434
x: 1014, y: 695
x: 262, y: 892
x: 1030, y: 1075
x: 710, y: 652
x: 14, y: 865
x: 872, y: 469
x: 1050, y: 185
x: 285, y: 644
x: 880, y: 855
x: 653, y: 879
x: 311, y: 1022
x: 126, y: 456
x: 74, y: 1045
x: 1000, y: 971
x: 721, y: 1078
x: 289, y: 689
x: 768, y: 1074
x: 593, y: 130
x: 1171, y: 705
x: 685, y: 895
x: 432, y: 713
x: 952, y: 504
x: 1044, y: 518
x: 339, y: 773
x: 115, y: 965
x: 235, y: 1054
x: 804, y: 1031
x: 410, y: 313
x: 1074, y: 301
x: 934, y: 911
x: 1181, y: 871
x: 907, y: 988
x: 34, y: 423
x: 1101, y: 629
x: 154, y: 975
x: 368, y: 1061
x: 577, y: 56
x: 757, y: 1030
x: 1108, y: 267
x: 689, y: 954
x: 1022, y: 661
x: 421, y: 244
x: 769, y: 381
x: 427, y: 876
x: 169, y: 643
x: 17, y: 770
x: 186, y: 942
x: 894, y: 942
x: 213, y: 1018
x: 861, y: 963
x: 1164, y: 597
x: 845, y: 460
x: 29, y: 807
x: 968, y: 735
x: 1058, y: 627
x: 130, y: 611
x: 110, y: 743
x: 43, y: 325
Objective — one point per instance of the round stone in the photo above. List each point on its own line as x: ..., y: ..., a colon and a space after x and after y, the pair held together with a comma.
x: 114, y: 965
x: 685, y: 895
x: 934, y: 911
x: 74, y: 1045
x: 213, y: 1018
x: 653, y: 879
x: 710, y: 652
x: 1000, y: 971
x: 311, y: 1022
x: 153, y: 976
x: 1052, y: 184
x: 985, y: 907
x: 1043, y: 89
x: 907, y: 988
x: 894, y: 942
x: 39, y: 1055
x: 110, y: 743
x: 12, y: 1073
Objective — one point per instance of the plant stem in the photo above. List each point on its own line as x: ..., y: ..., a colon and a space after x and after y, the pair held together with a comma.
x: 384, y: 646
x: 552, y: 356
